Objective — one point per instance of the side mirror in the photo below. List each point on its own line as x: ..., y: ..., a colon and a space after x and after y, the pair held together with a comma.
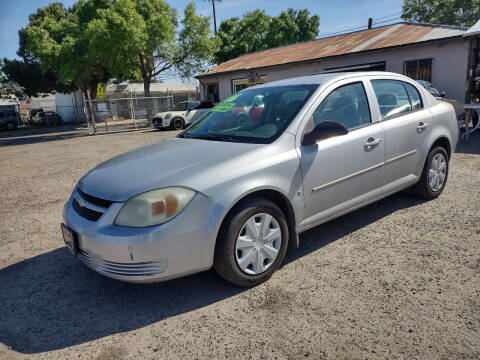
x: 324, y: 130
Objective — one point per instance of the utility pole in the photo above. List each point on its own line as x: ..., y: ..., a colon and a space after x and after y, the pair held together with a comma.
x: 214, y: 17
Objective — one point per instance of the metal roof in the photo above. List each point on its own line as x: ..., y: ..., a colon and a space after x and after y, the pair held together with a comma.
x: 474, y: 30
x: 356, y: 42
x: 154, y: 87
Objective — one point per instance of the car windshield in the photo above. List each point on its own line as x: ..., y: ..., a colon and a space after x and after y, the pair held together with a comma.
x: 179, y: 107
x: 256, y: 115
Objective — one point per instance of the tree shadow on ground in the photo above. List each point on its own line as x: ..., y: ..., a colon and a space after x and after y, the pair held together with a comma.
x: 51, y: 301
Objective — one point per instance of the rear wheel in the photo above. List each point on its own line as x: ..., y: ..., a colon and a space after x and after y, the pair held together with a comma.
x: 434, y: 175
x: 252, y: 243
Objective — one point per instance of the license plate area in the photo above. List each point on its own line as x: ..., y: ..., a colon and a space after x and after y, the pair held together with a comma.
x: 70, y: 238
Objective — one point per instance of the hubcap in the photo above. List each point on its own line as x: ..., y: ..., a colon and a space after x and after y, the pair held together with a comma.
x: 258, y: 244
x: 437, y: 172
x: 177, y: 124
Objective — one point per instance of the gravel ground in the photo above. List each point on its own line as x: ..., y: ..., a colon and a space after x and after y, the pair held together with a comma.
x: 397, y: 279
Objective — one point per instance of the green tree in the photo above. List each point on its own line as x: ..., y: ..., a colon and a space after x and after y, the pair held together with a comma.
x: 56, y: 36
x: 257, y: 31
x: 141, y: 38
x: 445, y: 12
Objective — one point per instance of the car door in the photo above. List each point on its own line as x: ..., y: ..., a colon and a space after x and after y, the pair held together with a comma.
x: 340, y: 172
x: 406, y: 123
x: 190, y: 113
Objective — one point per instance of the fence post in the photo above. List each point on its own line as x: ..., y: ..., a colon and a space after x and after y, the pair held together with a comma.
x: 132, y: 106
x: 86, y: 113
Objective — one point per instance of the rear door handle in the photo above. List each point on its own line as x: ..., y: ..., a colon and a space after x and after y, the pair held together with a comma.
x: 421, y: 126
x: 371, y: 142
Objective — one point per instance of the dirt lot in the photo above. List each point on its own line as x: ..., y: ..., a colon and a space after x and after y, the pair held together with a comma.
x: 397, y: 279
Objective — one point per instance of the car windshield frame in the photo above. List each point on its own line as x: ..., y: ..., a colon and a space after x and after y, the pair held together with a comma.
x: 239, y: 133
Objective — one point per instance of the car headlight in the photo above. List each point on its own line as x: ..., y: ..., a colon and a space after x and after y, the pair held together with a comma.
x: 168, y: 116
x: 154, y: 207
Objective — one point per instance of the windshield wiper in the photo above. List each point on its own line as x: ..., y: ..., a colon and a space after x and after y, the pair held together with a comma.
x: 214, y: 138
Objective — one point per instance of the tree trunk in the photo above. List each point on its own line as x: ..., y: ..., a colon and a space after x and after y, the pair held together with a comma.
x: 148, y: 101
x: 90, y: 115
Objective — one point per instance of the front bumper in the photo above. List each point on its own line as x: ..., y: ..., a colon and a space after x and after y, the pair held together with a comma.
x: 161, y: 123
x: 182, y: 246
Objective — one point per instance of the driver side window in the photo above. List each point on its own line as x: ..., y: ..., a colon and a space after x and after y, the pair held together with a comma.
x: 347, y: 105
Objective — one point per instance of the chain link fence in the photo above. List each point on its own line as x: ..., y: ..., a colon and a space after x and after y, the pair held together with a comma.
x: 127, y: 113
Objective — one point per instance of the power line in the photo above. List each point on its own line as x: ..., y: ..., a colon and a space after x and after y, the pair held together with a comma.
x: 382, y: 22
x: 346, y: 30
x: 387, y: 16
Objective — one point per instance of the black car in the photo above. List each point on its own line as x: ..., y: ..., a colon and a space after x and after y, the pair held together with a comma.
x: 9, y: 119
x: 47, y: 118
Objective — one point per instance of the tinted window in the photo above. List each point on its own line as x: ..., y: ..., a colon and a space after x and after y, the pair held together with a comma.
x: 180, y: 107
x: 257, y: 115
x: 347, y: 105
x: 413, y: 94
x: 392, y: 97
x: 2, y: 114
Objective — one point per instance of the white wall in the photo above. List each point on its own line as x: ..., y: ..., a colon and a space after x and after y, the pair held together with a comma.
x: 449, y: 67
x: 65, y: 104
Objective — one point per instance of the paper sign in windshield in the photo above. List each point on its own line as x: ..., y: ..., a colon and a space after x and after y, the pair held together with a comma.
x: 227, y: 104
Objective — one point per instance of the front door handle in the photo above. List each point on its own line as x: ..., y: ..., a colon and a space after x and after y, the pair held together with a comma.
x: 421, y: 126
x: 371, y: 143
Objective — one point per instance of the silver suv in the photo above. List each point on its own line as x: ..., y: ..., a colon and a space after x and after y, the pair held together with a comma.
x: 8, y: 119
x: 235, y: 194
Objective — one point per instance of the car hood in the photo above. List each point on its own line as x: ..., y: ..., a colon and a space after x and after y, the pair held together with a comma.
x: 164, y: 113
x: 172, y: 162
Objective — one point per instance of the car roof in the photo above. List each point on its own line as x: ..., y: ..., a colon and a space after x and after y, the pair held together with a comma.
x: 319, y: 79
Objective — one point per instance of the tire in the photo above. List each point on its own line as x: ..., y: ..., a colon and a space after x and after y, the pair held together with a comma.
x: 474, y: 119
x: 177, y: 124
x: 228, y: 256
x: 423, y: 187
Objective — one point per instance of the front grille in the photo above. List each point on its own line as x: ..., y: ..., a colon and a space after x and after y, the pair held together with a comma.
x: 94, y: 200
x: 121, y: 269
x: 87, y: 213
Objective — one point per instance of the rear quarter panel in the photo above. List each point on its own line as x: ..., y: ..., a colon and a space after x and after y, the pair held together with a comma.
x: 444, y: 124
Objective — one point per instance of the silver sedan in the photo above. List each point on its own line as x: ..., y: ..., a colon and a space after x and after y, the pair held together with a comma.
x: 234, y: 193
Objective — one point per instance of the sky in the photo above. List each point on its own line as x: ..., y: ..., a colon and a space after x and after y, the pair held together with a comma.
x: 335, y: 16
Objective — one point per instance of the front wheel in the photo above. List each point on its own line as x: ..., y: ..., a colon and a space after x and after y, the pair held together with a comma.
x: 252, y: 243
x: 434, y: 175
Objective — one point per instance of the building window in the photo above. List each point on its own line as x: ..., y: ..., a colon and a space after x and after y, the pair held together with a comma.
x: 239, y: 85
x: 418, y: 69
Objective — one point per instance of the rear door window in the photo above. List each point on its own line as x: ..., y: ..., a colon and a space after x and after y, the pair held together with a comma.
x: 392, y: 97
x: 414, y: 95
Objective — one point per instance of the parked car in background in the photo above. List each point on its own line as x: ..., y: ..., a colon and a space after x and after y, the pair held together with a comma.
x: 9, y: 119
x: 432, y: 89
x: 33, y: 113
x: 235, y: 197
x: 181, y: 115
x: 47, y: 118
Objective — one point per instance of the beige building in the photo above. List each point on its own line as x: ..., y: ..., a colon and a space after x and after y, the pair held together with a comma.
x: 447, y: 56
